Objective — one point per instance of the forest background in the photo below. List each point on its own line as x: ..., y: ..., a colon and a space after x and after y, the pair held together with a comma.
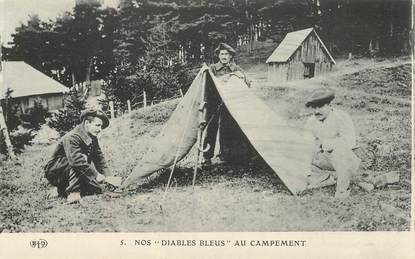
x: 156, y: 46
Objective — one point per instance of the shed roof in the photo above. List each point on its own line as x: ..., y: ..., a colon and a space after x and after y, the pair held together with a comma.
x: 291, y: 43
x: 25, y: 80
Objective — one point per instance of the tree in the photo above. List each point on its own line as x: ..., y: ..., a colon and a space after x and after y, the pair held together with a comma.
x: 76, y: 47
x: 199, y: 29
x: 11, y: 110
x: 84, y: 39
x: 67, y: 118
x: 20, y: 136
x: 121, y: 86
x: 35, y: 116
x: 132, y: 33
x: 29, y: 43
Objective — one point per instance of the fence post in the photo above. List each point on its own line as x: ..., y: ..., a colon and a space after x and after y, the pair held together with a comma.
x: 181, y: 92
x: 112, y: 109
x: 129, y: 106
x: 145, y: 99
x: 3, y: 130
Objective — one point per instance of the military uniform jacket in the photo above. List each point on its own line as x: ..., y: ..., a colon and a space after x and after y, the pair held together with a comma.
x: 77, y: 150
x: 336, y: 130
x: 219, y: 69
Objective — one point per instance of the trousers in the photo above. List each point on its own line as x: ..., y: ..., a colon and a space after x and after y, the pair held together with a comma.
x: 234, y: 145
x: 59, y: 173
x: 342, y: 161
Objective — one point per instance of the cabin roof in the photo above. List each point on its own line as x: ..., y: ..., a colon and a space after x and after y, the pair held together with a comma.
x: 25, y: 80
x: 291, y: 43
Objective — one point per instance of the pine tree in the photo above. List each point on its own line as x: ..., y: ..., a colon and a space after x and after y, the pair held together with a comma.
x: 67, y: 118
x: 121, y: 86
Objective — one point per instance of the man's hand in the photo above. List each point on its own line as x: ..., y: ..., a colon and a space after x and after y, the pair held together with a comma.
x: 113, y: 180
x: 238, y: 74
x: 100, y: 178
x: 248, y: 83
x: 328, y: 147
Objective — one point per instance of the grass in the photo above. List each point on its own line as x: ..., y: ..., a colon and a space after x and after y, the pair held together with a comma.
x: 235, y: 198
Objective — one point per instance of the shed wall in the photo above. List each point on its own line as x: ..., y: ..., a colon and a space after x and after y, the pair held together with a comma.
x: 50, y: 101
x: 311, y: 51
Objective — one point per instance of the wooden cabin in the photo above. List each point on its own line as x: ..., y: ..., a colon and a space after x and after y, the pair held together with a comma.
x: 300, y: 55
x: 29, y: 85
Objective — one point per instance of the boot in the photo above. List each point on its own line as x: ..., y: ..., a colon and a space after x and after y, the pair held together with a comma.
x: 320, y: 180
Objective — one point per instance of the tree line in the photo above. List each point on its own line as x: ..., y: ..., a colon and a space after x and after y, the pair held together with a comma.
x: 155, y: 45
x: 158, y: 46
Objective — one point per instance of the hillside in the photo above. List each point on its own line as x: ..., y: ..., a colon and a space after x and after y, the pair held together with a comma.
x: 246, y: 198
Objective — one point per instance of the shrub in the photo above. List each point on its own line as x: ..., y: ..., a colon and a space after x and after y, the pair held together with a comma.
x: 20, y: 138
x: 35, y: 116
x: 152, y: 75
x: 67, y: 118
x: 11, y: 111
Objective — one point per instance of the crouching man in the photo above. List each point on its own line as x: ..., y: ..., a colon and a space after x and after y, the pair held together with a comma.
x: 334, y: 134
x: 70, y: 168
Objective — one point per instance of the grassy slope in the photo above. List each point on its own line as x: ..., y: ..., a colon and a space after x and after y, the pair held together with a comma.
x: 234, y: 198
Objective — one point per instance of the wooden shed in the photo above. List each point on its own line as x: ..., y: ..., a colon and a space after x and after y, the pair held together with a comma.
x: 300, y: 55
x: 30, y: 85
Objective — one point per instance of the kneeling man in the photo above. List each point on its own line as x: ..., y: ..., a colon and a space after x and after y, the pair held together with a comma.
x: 335, y: 139
x: 70, y: 168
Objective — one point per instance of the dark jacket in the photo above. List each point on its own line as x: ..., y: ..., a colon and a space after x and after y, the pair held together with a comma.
x: 77, y: 150
x: 219, y: 70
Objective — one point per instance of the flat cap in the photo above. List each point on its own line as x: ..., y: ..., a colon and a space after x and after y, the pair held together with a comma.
x: 320, y: 97
x: 224, y: 46
x: 96, y: 113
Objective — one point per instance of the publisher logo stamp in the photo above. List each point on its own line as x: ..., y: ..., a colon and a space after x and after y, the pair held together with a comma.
x: 40, y: 243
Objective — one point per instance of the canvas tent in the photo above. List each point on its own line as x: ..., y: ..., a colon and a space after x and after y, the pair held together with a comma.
x: 287, y: 150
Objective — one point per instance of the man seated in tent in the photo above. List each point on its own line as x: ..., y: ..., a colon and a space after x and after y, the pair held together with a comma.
x: 335, y: 139
x: 230, y: 144
x: 226, y: 66
x: 70, y: 168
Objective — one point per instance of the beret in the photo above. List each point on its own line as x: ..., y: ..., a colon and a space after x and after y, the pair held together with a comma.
x: 224, y: 46
x: 320, y: 97
x: 96, y: 113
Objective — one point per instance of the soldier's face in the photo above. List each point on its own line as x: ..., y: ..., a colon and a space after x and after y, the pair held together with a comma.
x: 93, y: 127
x: 224, y: 56
x: 321, y: 113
